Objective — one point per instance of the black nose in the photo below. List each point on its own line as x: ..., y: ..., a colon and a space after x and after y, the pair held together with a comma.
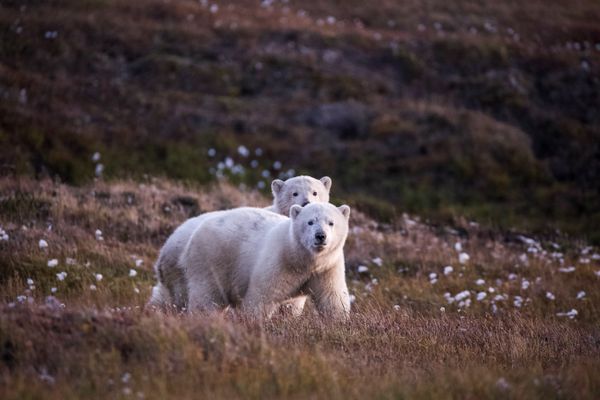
x: 320, y: 237
x: 305, y: 203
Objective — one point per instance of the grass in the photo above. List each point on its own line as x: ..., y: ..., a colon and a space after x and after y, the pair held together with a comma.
x: 452, y: 129
x: 404, y: 339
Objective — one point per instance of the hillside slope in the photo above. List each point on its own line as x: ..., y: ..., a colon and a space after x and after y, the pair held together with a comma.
x: 436, y: 312
x: 476, y: 108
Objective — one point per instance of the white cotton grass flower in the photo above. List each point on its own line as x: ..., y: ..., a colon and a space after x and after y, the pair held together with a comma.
x: 99, y: 170
x: 243, y: 151
x: 52, y: 263
x: 377, y: 261
x: 29, y: 281
x: 277, y: 165
x: 571, y: 314
x: 99, y: 277
x: 566, y: 270
x: 93, y: 287
x: 597, y: 273
x: 42, y: 244
x: 362, y: 269
x: 448, y: 270
x: 3, y: 235
x: 518, y: 301
x: 352, y: 298
x: 132, y: 273
x: 136, y: 290
x: 212, y: 152
x: 53, y: 289
x: 481, y: 296
x: 61, y: 276
x: 433, y: 278
x: 580, y: 295
x: 139, y: 262
x: 462, y: 295
x: 96, y: 157
x: 480, y: 282
x: 499, y: 297
x: 550, y: 296
x: 458, y: 247
x: 524, y: 284
x: 463, y: 258
x: 98, y: 234
x: 449, y: 297
x: 396, y: 307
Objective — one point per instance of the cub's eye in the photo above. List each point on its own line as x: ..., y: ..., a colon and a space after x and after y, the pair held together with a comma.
x: 314, y: 193
x: 331, y: 224
x: 310, y: 222
x: 295, y: 194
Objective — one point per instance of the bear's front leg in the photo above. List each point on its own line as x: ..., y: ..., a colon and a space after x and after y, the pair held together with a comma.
x: 330, y: 293
x: 267, y: 290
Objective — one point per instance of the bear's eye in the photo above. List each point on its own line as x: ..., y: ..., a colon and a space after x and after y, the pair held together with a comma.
x: 331, y: 224
x: 310, y: 222
x: 295, y: 194
x: 314, y: 193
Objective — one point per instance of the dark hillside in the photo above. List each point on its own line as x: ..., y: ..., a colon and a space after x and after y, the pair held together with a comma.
x: 484, y: 109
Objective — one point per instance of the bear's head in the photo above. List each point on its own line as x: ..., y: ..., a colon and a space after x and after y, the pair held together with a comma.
x: 320, y: 227
x: 300, y: 190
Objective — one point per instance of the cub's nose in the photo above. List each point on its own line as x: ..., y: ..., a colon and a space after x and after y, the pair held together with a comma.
x: 320, y: 237
x: 305, y: 203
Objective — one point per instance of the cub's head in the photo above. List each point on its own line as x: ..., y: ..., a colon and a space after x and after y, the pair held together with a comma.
x: 320, y: 227
x: 300, y: 190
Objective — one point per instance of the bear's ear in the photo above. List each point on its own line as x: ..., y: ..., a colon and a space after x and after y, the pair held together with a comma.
x: 345, y: 210
x: 295, y: 210
x: 326, y: 182
x: 276, y: 186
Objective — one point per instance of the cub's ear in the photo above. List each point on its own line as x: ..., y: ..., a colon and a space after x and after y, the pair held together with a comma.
x: 295, y: 210
x: 345, y: 210
x: 276, y: 186
x: 326, y: 181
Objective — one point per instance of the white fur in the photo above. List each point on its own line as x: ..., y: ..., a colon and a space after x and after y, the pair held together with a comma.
x: 256, y: 259
x: 299, y: 190
x: 283, y: 199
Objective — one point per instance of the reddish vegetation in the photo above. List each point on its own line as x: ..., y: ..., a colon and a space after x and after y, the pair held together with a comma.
x: 398, y: 343
x: 450, y: 127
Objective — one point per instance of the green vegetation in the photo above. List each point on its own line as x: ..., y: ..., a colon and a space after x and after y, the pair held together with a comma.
x: 444, y: 111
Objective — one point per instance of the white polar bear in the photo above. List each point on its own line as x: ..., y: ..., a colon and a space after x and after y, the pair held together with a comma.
x: 257, y: 260
x: 301, y: 190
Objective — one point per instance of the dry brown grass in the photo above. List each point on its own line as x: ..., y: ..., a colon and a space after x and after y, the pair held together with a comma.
x: 397, y: 344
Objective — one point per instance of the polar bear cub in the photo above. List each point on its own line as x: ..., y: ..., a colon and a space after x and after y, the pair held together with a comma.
x: 256, y: 259
x: 301, y: 190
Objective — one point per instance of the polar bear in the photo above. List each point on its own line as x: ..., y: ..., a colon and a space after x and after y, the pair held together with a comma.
x: 301, y: 190
x: 255, y: 259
